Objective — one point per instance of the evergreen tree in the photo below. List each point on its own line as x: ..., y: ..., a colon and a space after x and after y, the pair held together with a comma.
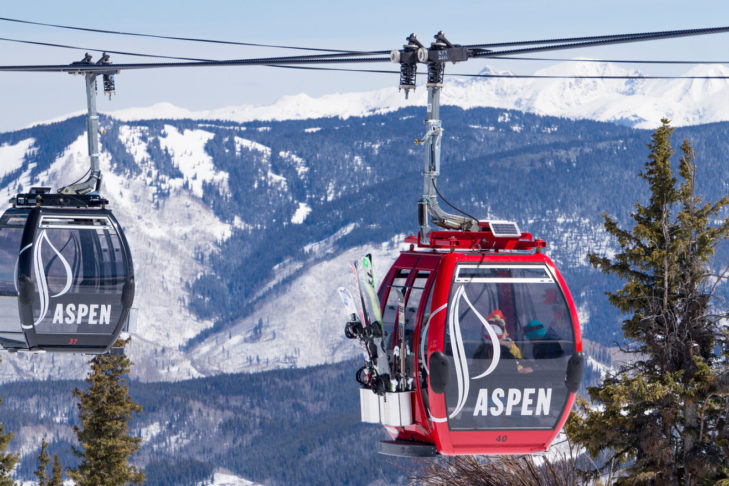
x: 662, y: 419
x: 56, y: 472
x: 105, y: 409
x: 7, y: 461
x: 43, y: 460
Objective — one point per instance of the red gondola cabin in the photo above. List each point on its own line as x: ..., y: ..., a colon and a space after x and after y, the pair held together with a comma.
x: 493, y: 347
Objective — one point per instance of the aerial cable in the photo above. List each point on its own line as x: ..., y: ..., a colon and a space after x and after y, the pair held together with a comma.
x: 104, y: 68
x: 616, y: 61
x: 188, y: 39
x: 557, y: 43
x: 93, y: 49
x: 514, y: 58
x: 657, y: 35
x: 347, y: 70
x: 290, y: 63
x: 586, y: 76
x: 128, y: 53
x: 340, y: 58
x: 605, y: 41
x: 564, y: 40
x: 515, y: 76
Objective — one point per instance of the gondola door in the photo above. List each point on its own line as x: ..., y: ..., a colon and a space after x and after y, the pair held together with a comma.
x: 75, y: 280
x: 410, y: 278
x: 402, y: 411
x: 419, y: 304
x: 12, y: 225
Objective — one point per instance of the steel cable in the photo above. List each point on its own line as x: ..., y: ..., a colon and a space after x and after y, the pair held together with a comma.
x: 658, y: 34
x: 607, y: 41
x: 171, y: 37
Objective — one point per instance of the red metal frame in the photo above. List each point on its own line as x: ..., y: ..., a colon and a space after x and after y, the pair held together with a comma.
x: 421, y: 431
x: 481, y: 247
x: 477, y: 240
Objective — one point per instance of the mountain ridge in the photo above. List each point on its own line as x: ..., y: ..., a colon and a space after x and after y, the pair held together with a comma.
x: 639, y: 103
x: 233, y: 274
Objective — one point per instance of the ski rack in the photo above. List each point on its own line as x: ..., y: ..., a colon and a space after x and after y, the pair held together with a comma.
x: 41, y: 196
x: 476, y: 241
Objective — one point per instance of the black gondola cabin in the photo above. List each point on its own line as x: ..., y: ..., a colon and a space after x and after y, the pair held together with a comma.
x: 66, y: 275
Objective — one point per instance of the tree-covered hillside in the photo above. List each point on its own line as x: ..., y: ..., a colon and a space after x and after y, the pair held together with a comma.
x: 285, y: 427
x: 553, y: 176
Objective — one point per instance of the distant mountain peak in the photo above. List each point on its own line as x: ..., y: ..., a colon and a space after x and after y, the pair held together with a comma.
x: 640, y: 103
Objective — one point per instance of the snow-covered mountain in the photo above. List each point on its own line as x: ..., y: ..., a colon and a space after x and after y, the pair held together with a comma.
x: 204, y: 201
x: 166, y: 239
x: 225, y: 478
x: 241, y: 232
x: 170, y: 230
x: 632, y: 102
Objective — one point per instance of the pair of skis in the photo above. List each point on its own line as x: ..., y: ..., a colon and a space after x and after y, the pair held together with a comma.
x: 365, y: 324
x: 400, y: 352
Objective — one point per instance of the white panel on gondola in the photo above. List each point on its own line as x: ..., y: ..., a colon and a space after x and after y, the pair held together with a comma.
x: 504, y: 229
x: 501, y: 273
x: 75, y: 222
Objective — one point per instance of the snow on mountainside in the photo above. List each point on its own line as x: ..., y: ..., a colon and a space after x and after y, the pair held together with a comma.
x: 173, y: 227
x: 637, y: 103
x: 225, y: 478
x: 302, y: 327
x: 166, y: 234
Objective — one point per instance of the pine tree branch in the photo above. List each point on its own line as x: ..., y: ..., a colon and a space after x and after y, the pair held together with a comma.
x: 724, y: 274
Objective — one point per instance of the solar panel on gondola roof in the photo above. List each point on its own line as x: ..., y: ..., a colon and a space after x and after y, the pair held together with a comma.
x: 504, y: 228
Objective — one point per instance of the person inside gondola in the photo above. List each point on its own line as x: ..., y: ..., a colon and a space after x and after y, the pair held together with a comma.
x: 545, y: 343
x: 509, y: 349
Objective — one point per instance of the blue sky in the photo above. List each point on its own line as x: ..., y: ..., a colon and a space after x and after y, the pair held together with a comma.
x: 27, y: 98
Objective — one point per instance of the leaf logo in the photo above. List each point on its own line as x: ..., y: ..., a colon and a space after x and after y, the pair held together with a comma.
x: 42, y: 279
x: 459, y: 353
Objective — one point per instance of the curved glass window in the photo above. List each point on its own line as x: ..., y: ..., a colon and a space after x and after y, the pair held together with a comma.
x: 423, y: 348
x: 78, y: 273
x: 11, y: 232
x: 396, y: 291
x: 409, y: 288
x: 509, y: 335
